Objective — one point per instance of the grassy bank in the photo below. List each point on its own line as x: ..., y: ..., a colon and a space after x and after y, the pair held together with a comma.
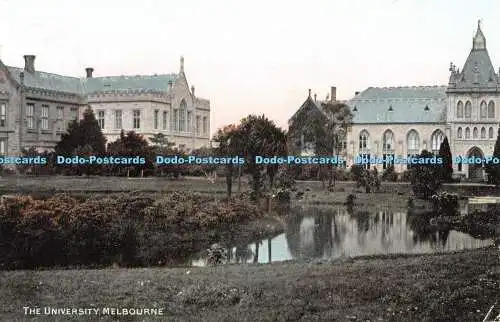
x: 447, y: 287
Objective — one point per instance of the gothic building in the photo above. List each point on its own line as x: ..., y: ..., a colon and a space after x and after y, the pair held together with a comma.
x: 402, y: 121
x: 36, y: 107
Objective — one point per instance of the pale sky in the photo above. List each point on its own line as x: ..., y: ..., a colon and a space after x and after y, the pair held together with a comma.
x: 253, y: 57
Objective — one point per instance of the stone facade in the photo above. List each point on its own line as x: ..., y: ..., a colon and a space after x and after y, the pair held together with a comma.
x: 36, y: 107
x: 403, y: 121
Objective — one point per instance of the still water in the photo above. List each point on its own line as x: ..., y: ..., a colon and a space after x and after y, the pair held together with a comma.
x: 331, y: 233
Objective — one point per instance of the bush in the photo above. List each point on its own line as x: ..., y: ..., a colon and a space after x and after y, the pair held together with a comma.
x: 390, y: 174
x: 445, y: 203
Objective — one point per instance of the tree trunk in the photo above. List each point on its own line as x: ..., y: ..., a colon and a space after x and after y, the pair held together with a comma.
x: 239, y: 179
x: 229, y: 180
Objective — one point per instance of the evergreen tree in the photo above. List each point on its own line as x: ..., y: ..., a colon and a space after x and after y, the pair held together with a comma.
x: 447, y: 166
x: 425, y: 177
x: 131, y: 145
x: 493, y: 170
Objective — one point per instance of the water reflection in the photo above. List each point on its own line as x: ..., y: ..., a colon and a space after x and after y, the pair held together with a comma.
x: 337, y: 232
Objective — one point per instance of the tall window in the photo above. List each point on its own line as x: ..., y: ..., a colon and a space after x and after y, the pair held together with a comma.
x: 205, y: 125
x: 165, y: 120
x: 30, y: 115
x: 3, y: 146
x: 137, y: 119
x: 490, y: 133
x: 100, y: 119
x: 175, y: 120
x: 468, y: 110
x: 436, y: 139
x: 3, y: 114
x: 156, y: 121
x: 413, y: 142
x: 491, y: 110
x: 182, y: 116
x: 45, y: 117
x: 60, y: 112
x: 198, y: 124
x: 467, y: 133
x: 118, y: 119
x: 74, y: 113
x: 483, y: 133
x: 482, y: 110
x: 189, y: 121
x: 363, y: 141
x: 475, y: 133
x: 459, y: 133
x: 460, y: 109
x: 388, y: 148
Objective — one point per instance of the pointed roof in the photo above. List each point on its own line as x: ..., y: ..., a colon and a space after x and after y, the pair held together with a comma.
x: 478, y: 73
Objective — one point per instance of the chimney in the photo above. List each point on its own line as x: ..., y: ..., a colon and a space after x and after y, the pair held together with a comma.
x: 356, y: 93
x: 29, y: 63
x: 309, y: 92
x: 333, y: 95
x: 192, y: 89
x: 170, y: 83
x: 315, y: 97
x: 89, y: 71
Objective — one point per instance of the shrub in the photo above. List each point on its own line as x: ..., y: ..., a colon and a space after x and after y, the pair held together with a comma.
x: 445, y: 203
x: 389, y: 174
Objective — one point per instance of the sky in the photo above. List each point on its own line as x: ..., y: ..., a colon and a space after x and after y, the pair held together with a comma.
x: 253, y: 57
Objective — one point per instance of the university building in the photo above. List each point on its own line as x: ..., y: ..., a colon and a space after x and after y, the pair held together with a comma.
x: 403, y: 121
x: 36, y: 107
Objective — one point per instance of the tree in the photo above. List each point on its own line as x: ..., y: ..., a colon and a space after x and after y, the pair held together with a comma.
x: 447, y: 166
x: 228, y: 141
x: 492, y: 169
x: 131, y: 145
x: 161, y: 140
x: 425, y: 176
x: 81, y: 133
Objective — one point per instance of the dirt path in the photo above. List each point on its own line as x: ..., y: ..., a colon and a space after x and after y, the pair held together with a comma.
x: 451, y: 287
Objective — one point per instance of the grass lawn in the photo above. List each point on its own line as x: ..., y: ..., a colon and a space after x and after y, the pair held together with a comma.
x: 448, y: 287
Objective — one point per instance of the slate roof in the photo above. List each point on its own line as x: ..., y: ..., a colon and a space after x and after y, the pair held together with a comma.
x: 415, y: 104
x: 82, y: 86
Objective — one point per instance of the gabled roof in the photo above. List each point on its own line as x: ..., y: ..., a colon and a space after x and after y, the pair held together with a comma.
x: 415, y: 104
x: 48, y: 81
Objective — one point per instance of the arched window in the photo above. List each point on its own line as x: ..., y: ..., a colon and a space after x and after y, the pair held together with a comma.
x: 364, y: 145
x: 459, y: 133
x: 474, y: 133
x: 468, y: 110
x: 388, y: 148
x: 413, y: 142
x: 460, y: 109
x: 182, y: 116
x: 436, y: 140
x: 490, y: 133
x: 483, y: 133
x: 482, y: 110
x: 491, y: 110
x: 467, y: 133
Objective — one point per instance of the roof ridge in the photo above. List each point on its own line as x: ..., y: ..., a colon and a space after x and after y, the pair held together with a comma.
x: 41, y: 71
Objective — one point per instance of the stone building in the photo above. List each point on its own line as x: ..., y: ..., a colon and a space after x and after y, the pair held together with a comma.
x: 403, y: 121
x: 36, y: 107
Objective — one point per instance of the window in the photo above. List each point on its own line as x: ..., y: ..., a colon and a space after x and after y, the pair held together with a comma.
x: 175, y: 120
x: 118, y: 119
x: 388, y: 148
x: 189, y: 121
x: 491, y: 110
x: 436, y: 140
x: 3, y: 146
x: 467, y: 133
x: 460, y: 109
x: 30, y: 115
x: 363, y: 141
x: 482, y: 110
x: 100, y: 119
x: 3, y: 114
x: 60, y: 112
x: 483, y: 133
x: 468, y: 110
x: 490, y: 133
x: 205, y: 125
x: 165, y: 119
x: 474, y: 133
x: 413, y: 142
x: 74, y: 113
x: 182, y: 116
x: 198, y: 124
x: 459, y: 133
x: 45, y: 117
x: 155, y: 121
x: 137, y: 119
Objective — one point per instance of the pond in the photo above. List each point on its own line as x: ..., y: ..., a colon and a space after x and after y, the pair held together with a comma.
x: 335, y: 232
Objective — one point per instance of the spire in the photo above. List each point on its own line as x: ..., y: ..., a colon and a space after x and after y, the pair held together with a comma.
x: 479, y: 41
x: 182, y: 64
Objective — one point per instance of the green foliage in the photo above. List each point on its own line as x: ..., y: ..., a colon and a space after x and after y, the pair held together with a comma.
x: 369, y: 179
x: 38, y: 169
x: 493, y: 170
x: 446, y: 172
x: 425, y: 179
x: 131, y: 145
